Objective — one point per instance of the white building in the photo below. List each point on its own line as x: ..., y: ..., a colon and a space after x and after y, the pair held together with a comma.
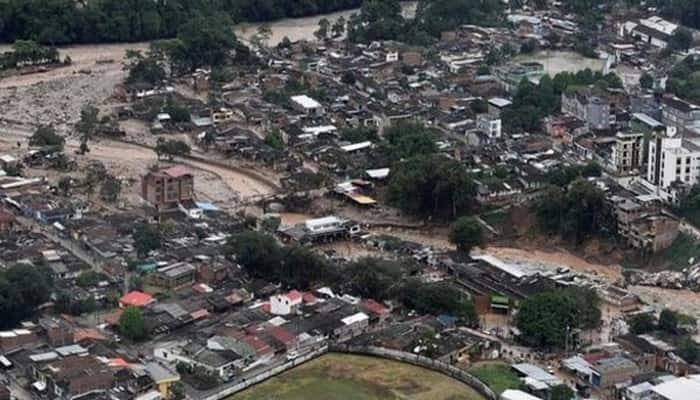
x: 490, y: 125
x: 285, y: 304
x: 673, y: 165
x: 678, y: 389
x: 307, y: 105
x: 511, y: 394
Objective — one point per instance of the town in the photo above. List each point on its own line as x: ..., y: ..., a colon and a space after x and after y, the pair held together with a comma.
x: 442, y: 199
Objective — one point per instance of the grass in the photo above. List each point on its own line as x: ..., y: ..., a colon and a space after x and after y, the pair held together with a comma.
x: 683, y: 249
x: 348, y: 377
x: 498, y: 377
x: 497, y: 218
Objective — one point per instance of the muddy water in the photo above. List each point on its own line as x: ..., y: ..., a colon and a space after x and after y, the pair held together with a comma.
x: 559, y: 61
x: 304, y: 28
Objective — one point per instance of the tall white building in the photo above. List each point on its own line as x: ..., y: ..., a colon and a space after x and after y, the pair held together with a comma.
x: 674, y: 164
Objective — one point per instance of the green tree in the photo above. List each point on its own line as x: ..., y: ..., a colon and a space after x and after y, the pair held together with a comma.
x: 177, y: 391
x: 466, y: 233
x: 23, y: 288
x: 646, y: 81
x: 642, y: 323
x: 143, y: 69
x: 323, y: 29
x: 681, y: 40
x: 258, y: 253
x: 668, y: 321
x: 548, y: 319
x: 171, y: 148
x: 177, y: 112
x: 45, y: 135
x: 88, y: 122
x: 131, y: 324
x: 438, y: 298
x: 562, y: 392
x: 374, y: 278
x: 689, y: 351
x: 146, y: 238
x: 89, y: 278
x: 274, y: 139
x: 338, y: 27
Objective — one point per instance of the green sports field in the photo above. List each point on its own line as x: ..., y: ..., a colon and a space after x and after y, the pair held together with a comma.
x: 347, y: 377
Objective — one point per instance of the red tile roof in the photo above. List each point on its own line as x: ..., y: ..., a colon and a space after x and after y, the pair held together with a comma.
x: 294, y: 295
x: 199, y: 314
x: 281, y: 334
x: 309, y: 298
x: 137, y: 299
x: 113, y: 318
x: 177, y: 171
x: 259, y: 345
x: 375, y: 307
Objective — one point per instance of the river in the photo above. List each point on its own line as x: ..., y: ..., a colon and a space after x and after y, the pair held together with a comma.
x: 304, y: 28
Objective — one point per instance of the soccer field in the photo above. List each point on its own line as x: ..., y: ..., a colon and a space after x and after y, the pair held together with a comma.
x: 347, y: 377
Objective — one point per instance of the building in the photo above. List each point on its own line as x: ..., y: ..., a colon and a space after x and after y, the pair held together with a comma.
x: 654, y: 31
x: 497, y: 105
x: 673, y: 165
x: 590, y: 108
x: 163, y: 378
x: 509, y: 76
x: 678, y: 113
x: 511, y: 394
x: 166, y: 188
x: 608, y: 372
x: 285, y: 304
x: 76, y: 375
x: 307, y: 105
x: 627, y: 152
x: 174, y: 276
x: 653, y: 233
x: 685, y: 388
x: 489, y: 124
x: 135, y: 299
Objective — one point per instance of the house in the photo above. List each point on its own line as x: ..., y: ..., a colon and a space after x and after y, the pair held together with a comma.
x: 589, y: 107
x: 497, y: 105
x: 673, y: 164
x: 135, y: 299
x: 15, y: 339
x: 165, y: 188
x: 285, y: 304
x: 654, y: 31
x: 76, y: 375
x: 163, y: 378
x: 627, y: 152
x: 307, y: 106
x: 174, y: 276
x: 510, y: 75
x: 608, y: 372
x: 489, y: 124
x: 678, y: 113
x: 684, y: 388
x: 511, y: 394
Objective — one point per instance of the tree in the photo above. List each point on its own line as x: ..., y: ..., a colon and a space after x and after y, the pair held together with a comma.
x: 562, y: 392
x: 373, y: 278
x: 111, y: 189
x: 177, y: 112
x: 258, y: 253
x: 88, y: 278
x: 143, y: 69
x: 668, y: 321
x: 548, y: 319
x: 146, y: 239
x: 131, y: 324
x: 177, y: 391
x: 689, y: 351
x: 338, y: 27
x: 646, y: 81
x: 681, y: 40
x: 171, y: 148
x: 88, y: 122
x: 323, y: 29
x: 274, y: 139
x: 46, y: 136
x: 23, y: 288
x: 438, y: 298
x: 641, y: 323
x: 466, y: 233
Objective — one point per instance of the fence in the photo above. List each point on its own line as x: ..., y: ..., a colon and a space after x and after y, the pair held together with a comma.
x: 260, y: 377
x: 420, y: 361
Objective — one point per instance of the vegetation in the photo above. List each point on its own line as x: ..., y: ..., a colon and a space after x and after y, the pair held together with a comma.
x: 274, y: 139
x: 565, y: 175
x: 178, y: 113
x: 46, y: 136
x: 562, y: 392
x: 466, y: 233
x: 262, y: 257
x: 641, y: 323
x: 131, y: 324
x: 89, y: 278
x: 361, y: 134
x: 548, y: 319
x: 67, y: 21
x: 146, y: 238
x: 684, y: 79
x: 26, y: 53
x: 143, y: 69
x: 438, y: 298
x: 431, y: 186
x: 171, y: 148
x: 22, y: 288
x: 684, y: 249
x: 532, y: 103
x: 575, y: 212
x: 498, y: 377
x: 374, y: 278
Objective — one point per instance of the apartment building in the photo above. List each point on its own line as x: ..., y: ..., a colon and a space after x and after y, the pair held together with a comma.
x: 165, y: 188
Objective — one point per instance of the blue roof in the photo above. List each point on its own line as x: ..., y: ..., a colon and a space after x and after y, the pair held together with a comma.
x: 447, y: 320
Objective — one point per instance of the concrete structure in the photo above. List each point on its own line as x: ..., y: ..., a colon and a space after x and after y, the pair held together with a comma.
x: 627, y: 152
x: 686, y: 388
x: 165, y: 188
x: 509, y: 76
x: 679, y: 113
x: 590, y: 108
x: 285, y: 304
x: 163, y: 378
x: 673, y: 165
x: 490, y: 125
x: 174, y: 276
x: 608, y: 372
x: 307, y: 105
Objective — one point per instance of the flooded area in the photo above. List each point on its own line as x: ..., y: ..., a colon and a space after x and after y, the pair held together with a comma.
x: 304, y: 28
x: 562, y: 61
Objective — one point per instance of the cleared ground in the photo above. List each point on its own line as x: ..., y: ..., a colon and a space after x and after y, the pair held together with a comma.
x: 346, y: 377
